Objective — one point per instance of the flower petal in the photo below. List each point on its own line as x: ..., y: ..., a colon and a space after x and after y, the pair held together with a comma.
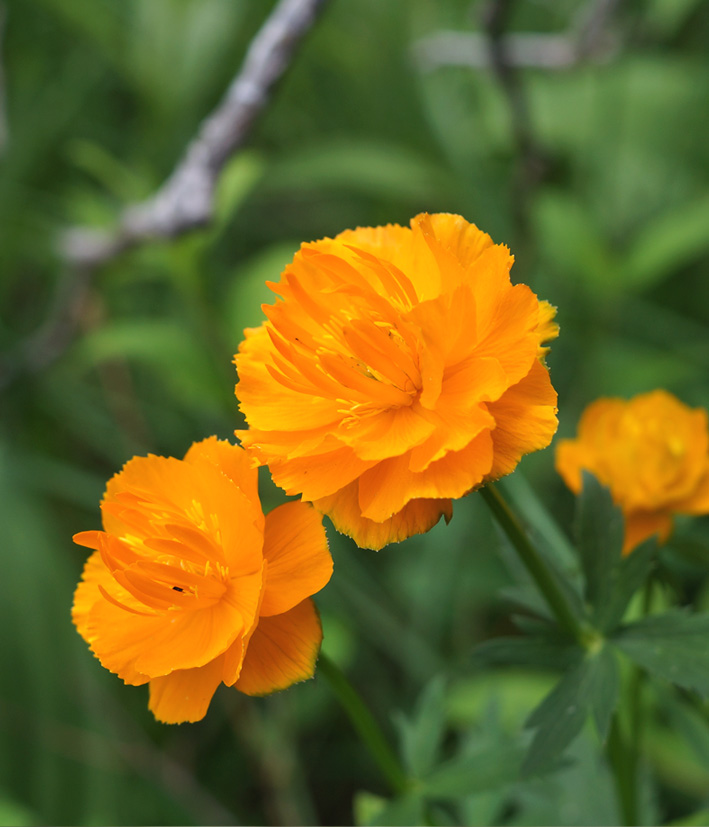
x: 640, y: 525
x: 386, y: 488
x: 416, y: 517
x: 299, y: 563
x: 318, y: 475
x: 463, y: 239
x: 184, y: 695
x: 231, y: 460
x: 526, y: 420
x: 282, y: 650
x: 133, y: 645
x: 269, y: 405
x: 698, y: 501
x: 387, y: 433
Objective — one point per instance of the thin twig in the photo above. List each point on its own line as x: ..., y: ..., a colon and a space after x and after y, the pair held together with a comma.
x: 185, y: 201
x: 531, y: 160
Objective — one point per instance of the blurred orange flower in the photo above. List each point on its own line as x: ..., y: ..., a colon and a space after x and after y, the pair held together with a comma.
x: 653, y: 454
x: 190, y: 586
x: 400, y: 369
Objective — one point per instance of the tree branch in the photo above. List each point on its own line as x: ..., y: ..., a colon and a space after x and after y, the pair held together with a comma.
x: 586, y: 40
x: 186, y: 199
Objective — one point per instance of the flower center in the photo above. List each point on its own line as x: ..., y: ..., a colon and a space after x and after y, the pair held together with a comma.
x: 171, y: 563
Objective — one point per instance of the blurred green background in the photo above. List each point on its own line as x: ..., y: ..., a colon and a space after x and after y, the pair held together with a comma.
x: 594, y: 174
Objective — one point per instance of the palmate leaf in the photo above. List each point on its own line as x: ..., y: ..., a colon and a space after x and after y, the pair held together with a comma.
x: 599, y: 537
x: 611, y: 580
x: 672, y: 646
x: 591, y: 687
x: 546, y: 653
x: 421, y: 735
x: 487, y: 768
x: 625, y: 579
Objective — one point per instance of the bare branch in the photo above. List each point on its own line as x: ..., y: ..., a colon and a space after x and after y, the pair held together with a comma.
x: 531, y: 158
x: 523, y: 51
x: 587, y: 39
x: 186, y: 199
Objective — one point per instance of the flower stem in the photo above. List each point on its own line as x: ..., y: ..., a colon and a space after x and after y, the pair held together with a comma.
x: 363, y: 721
x: 624, y: 770
x: 535, y: 565
x: 624, y: 756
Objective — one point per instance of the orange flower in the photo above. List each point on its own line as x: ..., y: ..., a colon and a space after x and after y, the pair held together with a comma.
x: 190, y: 586
x: 653, y: 454
x: 401, y: 369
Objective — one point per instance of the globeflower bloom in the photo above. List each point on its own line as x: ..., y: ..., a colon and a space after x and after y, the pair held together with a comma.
x: 652, y: 452
x: 190, y: 586
x: 399, y: 369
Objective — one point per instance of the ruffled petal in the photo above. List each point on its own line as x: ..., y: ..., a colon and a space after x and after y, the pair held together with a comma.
x: 463, y: 239
x: 386, y: 488
x: 230, y: 460
x: 318, y: 475
x: 416, y: 517
x: 526, y: 420
x: 299, y: 563
x: 269, y: 404
x: 163, y: 489
x: 282, y: 651
x: 387, y: 433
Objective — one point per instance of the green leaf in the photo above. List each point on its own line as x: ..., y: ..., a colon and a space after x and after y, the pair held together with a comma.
x: 599, y: 536
x: 626, y: 578
x: 591, y: 687
x: 671, y: 241
x: 403, y: 810
x: 236, y: 182
x: 12, y: 812
x: 541, y: 524
x: 524, y: 651
x: 422, y: 735
x: 672, y: 646
x: 526, y: 593
x: 611, y: 580
x: 377, y: 169
x: 571, y: 238
x: 476, y: 771
x: 164, y: 346
x: 700, y: 818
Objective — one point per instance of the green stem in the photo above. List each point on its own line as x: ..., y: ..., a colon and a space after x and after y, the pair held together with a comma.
x: 629, y: 775
x: 536, y: 566
x: 624, y: 770
x: 363, y: 721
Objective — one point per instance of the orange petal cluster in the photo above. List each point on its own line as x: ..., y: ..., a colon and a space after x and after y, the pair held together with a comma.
x: 191, y: 586
x: 399, y: 369
x: 651, y: 451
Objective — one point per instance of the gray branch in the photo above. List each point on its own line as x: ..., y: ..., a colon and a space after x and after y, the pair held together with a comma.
x: 586, y: 40
x: 186, y: 199
x: 523, y: 51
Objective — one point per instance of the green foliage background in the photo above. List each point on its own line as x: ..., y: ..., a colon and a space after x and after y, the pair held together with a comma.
x: 102, y: 96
